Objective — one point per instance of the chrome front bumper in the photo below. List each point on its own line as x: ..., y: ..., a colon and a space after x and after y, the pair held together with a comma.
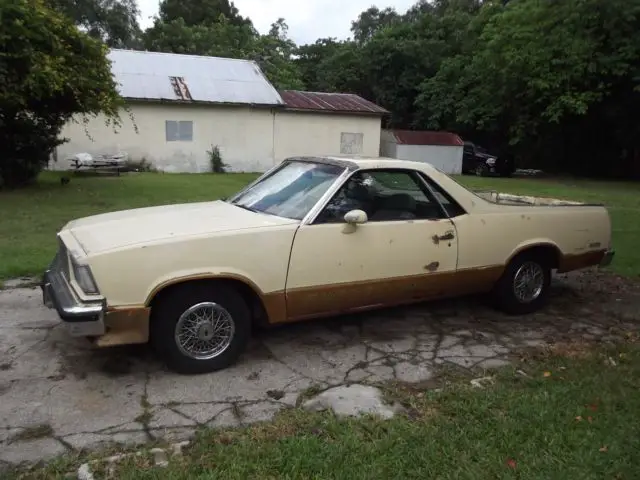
x: 81, y: 319
x: 608, y: 258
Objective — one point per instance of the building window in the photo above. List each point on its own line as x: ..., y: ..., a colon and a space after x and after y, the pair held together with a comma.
x: 351, y: 143
x: 179, y: 131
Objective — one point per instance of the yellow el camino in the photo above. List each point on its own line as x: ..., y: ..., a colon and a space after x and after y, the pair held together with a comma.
x: 312, y: 237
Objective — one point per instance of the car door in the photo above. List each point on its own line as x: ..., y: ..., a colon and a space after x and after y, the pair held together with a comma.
x: 406, y: 251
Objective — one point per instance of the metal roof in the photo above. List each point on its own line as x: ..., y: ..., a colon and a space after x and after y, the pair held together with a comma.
x: 159, y: 76
x: 329, y: 102
x: 425, y: 137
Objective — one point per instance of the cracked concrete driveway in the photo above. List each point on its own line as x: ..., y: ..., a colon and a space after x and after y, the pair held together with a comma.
x: 57, y: 394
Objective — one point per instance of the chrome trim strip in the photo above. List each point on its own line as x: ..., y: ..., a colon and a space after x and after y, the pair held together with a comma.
x: 310, y: 217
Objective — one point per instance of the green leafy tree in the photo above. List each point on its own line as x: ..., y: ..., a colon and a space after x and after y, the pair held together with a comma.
x: 556, y: 81
x: 309, y: 57
x: 114, y: 22
x: 274, y: 53
x: 49, y: 72
x: 222, y: 38
x: 201, y: 12
x: 371, y: 21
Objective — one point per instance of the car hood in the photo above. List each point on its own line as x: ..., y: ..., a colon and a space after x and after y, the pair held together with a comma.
x: 110, y: 231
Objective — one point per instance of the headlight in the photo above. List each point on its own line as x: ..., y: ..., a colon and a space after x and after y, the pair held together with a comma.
x: 491, y: 161
x: 84, y: 278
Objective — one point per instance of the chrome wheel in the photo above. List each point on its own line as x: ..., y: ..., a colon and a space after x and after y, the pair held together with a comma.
x: 204, y: 331
x: 528, y: 282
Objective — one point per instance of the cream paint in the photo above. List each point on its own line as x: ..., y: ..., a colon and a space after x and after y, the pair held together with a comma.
x: 258, y: 248
x: 309, y: 133
x: 250, y: 139
x: 328, y: 254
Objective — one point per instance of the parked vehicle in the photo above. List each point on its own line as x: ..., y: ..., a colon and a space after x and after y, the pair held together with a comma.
x: 477, y: 161
x: 313, y: 237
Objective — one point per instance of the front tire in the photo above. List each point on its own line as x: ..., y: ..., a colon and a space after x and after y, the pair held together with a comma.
x: 525, y: 284
x: 201, y: 328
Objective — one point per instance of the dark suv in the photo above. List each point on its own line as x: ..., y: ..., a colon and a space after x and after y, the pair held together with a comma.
x: 476, y: 160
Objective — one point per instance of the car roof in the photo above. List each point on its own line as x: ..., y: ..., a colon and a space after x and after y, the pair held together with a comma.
x: 357, y: 162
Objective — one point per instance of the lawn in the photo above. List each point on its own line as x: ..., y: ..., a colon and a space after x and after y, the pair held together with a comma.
x: 573, y: 416
x: 30, y: 218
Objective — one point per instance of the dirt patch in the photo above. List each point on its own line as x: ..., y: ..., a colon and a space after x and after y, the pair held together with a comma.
x: 35, y: 432
x: 574, y: 349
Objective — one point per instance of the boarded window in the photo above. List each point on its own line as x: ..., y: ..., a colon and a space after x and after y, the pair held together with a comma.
x: 179, y: 131
x: 351, y: 143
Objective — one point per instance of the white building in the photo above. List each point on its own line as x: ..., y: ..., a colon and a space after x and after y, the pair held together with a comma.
x: 443, y: 150
x: 182, y: 105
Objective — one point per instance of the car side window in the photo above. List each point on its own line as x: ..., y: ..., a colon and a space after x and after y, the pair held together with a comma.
x: 452, y: 207
x: 385, y: 195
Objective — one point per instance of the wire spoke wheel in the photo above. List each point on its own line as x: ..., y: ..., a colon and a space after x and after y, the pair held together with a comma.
x: 204, y: 331
x: 528, y: 282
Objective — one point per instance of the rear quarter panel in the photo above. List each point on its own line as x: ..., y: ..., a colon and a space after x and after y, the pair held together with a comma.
x: 493, y: 237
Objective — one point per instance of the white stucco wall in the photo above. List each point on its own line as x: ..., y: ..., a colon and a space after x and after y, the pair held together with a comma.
x: 446, y: 158
x: 309, y: 133
x: 244, y: 136
x: 250, y: 140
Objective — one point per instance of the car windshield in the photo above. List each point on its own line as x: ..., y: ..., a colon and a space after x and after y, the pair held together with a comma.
x: 291, y: 191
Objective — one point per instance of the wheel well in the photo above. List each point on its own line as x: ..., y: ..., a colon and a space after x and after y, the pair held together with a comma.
x: 549, y: 252
x: 258, y: 312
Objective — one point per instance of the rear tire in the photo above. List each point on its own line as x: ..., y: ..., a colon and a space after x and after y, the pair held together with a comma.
x: 200, y: 328
x: 525, y: 284
x: 482, y: 170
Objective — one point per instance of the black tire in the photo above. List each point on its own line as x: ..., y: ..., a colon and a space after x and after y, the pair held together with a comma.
x: 482, y: 170
x: 166, y: 314
x: 504, y: 293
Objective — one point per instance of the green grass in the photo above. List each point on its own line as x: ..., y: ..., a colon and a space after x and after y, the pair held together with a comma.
x: 578, y: 422
x: 30, y: 218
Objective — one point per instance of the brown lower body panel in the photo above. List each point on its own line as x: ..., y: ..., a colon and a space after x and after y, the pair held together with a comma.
x: 579, y: 261
x: 131, y: 325
x: 125, y: 327
x: 328, y: 300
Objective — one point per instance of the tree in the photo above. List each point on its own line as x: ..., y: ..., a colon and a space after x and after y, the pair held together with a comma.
x: 114, y: 22
x: 219, y: 39
x: 201, y: 12
x: 310, y: 57
x: 49, y: 72
x: 274, y: 54
x: 371, y: 21
x: 557, y: 81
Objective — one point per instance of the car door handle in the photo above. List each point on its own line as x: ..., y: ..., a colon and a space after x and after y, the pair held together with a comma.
x: 443, y: 238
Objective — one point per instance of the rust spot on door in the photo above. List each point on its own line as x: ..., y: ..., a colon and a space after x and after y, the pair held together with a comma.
x: 432, y: 267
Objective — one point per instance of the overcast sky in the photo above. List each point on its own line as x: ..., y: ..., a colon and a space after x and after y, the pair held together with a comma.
x: 308, y: 20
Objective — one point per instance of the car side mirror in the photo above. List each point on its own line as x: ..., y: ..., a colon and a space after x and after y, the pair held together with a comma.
x: 356, y: 217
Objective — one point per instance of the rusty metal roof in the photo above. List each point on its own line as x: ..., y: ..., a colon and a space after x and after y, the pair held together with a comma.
x: 159, y: 76
x: 329, y: 102
x: 426, y: 137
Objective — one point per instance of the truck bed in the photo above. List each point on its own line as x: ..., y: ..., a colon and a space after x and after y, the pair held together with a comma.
x: 502, y: 198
